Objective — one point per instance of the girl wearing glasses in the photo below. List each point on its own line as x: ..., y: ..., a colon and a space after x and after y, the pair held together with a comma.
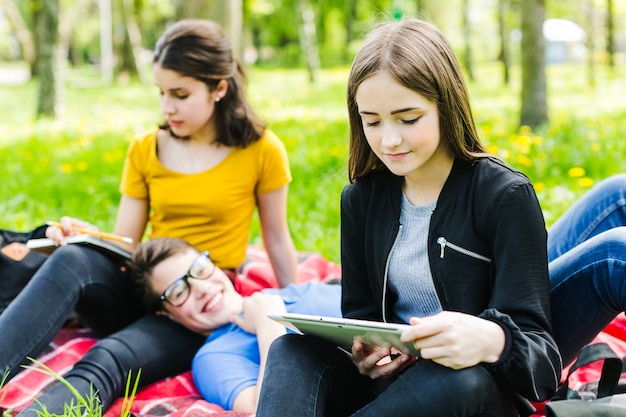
x: 199, y: 176
x: 188, y: 287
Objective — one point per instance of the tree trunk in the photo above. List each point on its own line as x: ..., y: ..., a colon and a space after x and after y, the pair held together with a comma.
x: 467, y: 37
x: 47, y: 38
x: 22, y: 33
x: 610, y: 33
x: 534, y: 110
x: 308, y: 38
x: 591, y: 67
x: 134, y: 38
x: 227, y: 13
x: 504, y: 41
x: 351, y: 18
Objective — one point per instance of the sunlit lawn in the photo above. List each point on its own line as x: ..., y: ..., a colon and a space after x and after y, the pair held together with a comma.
x: 72, y: 166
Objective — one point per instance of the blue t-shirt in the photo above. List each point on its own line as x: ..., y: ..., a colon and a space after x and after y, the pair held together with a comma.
x: 229, y: 360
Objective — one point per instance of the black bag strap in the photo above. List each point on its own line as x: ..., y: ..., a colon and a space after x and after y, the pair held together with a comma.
x: 9, y: 236
x: 609, y: 377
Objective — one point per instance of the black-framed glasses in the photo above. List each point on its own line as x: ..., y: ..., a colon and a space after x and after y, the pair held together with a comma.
x: 178, y: 291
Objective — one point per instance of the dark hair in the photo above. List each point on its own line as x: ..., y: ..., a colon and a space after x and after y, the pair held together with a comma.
x: 148, y: 255
x: 199, y: 49
x: 420, y: 58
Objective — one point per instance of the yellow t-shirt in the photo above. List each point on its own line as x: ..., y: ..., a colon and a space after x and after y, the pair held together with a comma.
x: 213, y: 209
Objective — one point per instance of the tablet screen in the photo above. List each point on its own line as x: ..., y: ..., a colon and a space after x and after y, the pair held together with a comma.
x: 342, y: 331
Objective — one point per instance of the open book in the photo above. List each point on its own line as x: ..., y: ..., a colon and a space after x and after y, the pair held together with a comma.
x: 47, y: 246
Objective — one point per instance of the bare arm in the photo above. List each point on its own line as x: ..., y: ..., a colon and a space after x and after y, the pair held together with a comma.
x: 276, y: 236
x: 132, y: 217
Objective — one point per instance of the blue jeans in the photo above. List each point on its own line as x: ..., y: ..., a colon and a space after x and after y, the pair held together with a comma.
x: 80, y: 279
x: 587, y: 255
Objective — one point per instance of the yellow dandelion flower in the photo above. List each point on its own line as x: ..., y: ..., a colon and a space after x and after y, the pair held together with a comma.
x: 595, y: 147
x: 524, y: 160
x: 576, y: 172
x: 66, y: 168
x: 492, y: 149
x: 525, y: 130
x: 84, y: 141
x: 585, y: 182
x: 81, y: 166
x: 539, y: 186
x: 524, y: 140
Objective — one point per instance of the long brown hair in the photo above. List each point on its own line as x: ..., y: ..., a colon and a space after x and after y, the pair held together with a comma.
x: 199, y: 49
x: 420, y: 58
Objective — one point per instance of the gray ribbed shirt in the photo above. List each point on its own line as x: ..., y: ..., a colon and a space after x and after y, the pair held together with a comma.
x: 409, y: 270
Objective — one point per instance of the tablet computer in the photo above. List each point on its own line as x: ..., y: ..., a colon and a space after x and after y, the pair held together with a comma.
x: 342, y: 331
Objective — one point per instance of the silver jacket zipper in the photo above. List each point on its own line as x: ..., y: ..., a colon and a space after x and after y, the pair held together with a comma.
x: 386, y: 277
x: 443, y: 243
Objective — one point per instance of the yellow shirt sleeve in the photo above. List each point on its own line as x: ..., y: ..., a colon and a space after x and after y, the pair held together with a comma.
x: 212, y: 209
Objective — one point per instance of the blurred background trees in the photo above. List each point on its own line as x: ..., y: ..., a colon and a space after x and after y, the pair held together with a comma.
x: 116, y: 36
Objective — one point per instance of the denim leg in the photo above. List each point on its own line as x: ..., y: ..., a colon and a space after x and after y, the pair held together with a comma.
x: 600, y: 209
x: 309, y: 377
x: 154, y: 344
x: 428, y: 389
x: 71, y: 274
x: 587, y: 290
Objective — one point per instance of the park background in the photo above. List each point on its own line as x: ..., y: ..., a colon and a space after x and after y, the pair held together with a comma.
x: 75, y: 87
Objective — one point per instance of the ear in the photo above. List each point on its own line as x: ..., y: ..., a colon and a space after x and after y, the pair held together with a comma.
x: 221, y: 89
x: 166, y: 314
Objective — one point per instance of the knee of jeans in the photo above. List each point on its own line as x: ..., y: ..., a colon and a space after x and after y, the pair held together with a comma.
x: 106, y: 365
x: 616, y: 183
x: 471, y: 382
x: 68, y: 257
x: 614, y: 242
x: 284, y: 345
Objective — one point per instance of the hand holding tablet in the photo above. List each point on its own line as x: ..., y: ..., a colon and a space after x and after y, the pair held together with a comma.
x: 342, y: 331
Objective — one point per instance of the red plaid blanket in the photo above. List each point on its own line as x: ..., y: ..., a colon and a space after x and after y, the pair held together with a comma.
x: 172, y: 397
x: 178, y: 397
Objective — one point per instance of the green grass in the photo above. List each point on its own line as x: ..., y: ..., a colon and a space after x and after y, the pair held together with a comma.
x: 80, y: 405
x: 72, y: 166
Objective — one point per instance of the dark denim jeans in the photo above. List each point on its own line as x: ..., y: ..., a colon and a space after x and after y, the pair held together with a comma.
x: 308, y: 377
x: 73, y: 278
x: 79, y: 279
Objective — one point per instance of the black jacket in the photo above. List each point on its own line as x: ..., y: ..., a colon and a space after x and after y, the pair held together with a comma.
x: 487, y: 254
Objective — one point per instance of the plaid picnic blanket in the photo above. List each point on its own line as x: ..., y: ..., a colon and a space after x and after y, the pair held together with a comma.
x: 172, y: 397
x: 178, y: 397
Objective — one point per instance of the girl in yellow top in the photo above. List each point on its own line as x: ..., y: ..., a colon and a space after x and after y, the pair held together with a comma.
x: 198, y: 177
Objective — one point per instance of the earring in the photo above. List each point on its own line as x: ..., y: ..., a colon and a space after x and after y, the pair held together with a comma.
x: 217, y: 99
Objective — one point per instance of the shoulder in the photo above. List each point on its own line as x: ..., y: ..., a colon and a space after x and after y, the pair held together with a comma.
x: 493, y: 169
x: 377, y: 184
x: 268, y: 143
x: 144, y: 142
x: 494, y: 177
x: 146, y: 138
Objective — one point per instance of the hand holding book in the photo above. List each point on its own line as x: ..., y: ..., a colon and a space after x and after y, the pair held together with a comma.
x: 92, y: 232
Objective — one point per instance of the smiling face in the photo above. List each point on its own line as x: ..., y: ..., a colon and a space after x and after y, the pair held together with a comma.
x: 186, y: 102
x: 212, y: 301
x: 401, y: 127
